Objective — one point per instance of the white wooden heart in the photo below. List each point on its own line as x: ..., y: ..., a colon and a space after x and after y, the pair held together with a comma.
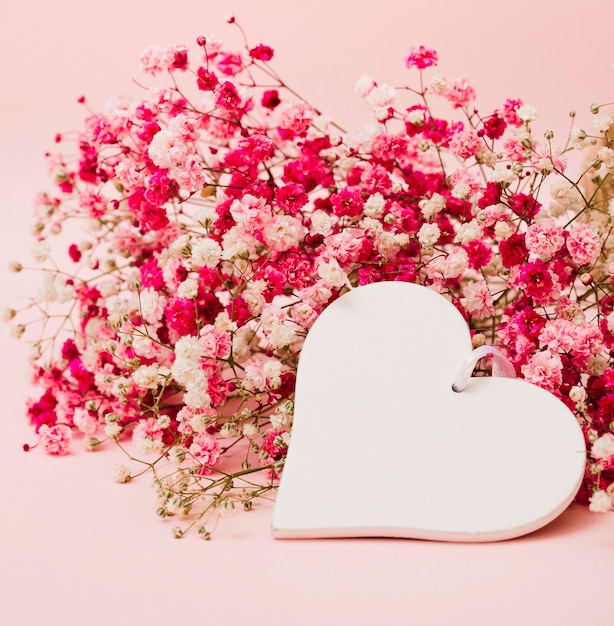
x: 382, y: 446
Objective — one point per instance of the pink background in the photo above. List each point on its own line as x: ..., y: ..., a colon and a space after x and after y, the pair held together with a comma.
x: 76, y: 547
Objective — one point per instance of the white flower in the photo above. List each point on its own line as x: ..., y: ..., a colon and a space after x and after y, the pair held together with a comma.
x: 469, y: 231
x: 40, y: 251
x: 112, y: 430
x: 503, y: 176
x: 146, y: 376
x: 199, y: 422
x: 205, y: 215
x: 432, y: 205
x: 188, y: 289
x: 503, y: 229
x: 179, y: 247
x: 250, y: 430
x: 364, y: 85
x: 428, y: 235
x: 577, y: 394
x: 121, y: 473
x: 415, y: 117
x: 455, y: 264
x: 321, y: 223
x: 196, y: 396
x: 603, y: 447
x: 330, y: 272
x: 375, y: 205
x: 600, y: 502
x: 579, y: 138
x: 527, y: 113
x: 438, y: 84
x: 603, y: 123
x: 206, y: 253
x: 607, y: 156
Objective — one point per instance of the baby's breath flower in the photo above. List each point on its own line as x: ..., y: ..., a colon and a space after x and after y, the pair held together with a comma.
x: 121, y: 473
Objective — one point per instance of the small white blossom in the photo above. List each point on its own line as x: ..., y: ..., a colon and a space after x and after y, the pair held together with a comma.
x: 432, y: 205
x: 428, y: 235
x: 121, y: 473
x: 188, y: 289
x: 603, y: 447
x: 600, y: 502
x: 527, y: 113
x: 206, y: 253
x: 40, y: 251
x: 146, y: 376
x: 602, y: 124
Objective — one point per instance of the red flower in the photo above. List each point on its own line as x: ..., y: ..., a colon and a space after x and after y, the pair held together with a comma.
x: 261, y: 53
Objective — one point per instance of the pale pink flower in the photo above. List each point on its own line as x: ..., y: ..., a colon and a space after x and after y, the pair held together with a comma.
x: 152, y: 60
x: 283, y: 232
x: 297, y: 117
x: 166, y: 150
x: 215, y: 344
x: 558, y: 335
x: 205, y: 449
x: 380, y: 99
x: 455, y: 264
x: 252, y: 211
x: 147, y: 436
x: 460, y: 92
x: 465, y: 143
x: 55, y: 439
x: 343, y: 246
x: 545, y: 160
x: 85, y: 421
x: 189, y: 174
x: 477, y: 300
x: 544, y: 239
x: 544, y: 369
x: 583, y: 244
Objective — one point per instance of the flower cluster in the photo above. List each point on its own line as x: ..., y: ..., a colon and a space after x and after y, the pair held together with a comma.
x: 220, y: 214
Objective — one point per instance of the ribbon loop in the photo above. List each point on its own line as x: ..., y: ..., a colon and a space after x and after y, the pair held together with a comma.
x: 501, y: 366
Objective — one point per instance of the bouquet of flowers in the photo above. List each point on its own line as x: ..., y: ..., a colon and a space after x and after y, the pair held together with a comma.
x: 206, y: 225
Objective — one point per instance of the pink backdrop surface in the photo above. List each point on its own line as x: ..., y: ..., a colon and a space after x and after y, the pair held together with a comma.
x: 75, y: 546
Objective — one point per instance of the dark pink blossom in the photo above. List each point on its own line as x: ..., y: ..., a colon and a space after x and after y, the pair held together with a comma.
x: 421, y: 58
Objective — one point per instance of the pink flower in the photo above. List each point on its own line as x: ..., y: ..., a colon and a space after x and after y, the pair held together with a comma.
x: 85, y: 421
x: 477, y: 300
x: 465, y: 143
x: 460, y: 93
x: 583, y: 244
x: 147, y: 436
x: 544, y: 369
x: 558, y: 335
x: 55, y: 439
x: 421, y: 58
x: 297, y: 118
x: 261, y: 53
x: 544, y: 239
x: 206, y: 450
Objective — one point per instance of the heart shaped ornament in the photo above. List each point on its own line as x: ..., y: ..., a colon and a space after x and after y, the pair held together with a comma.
x: 383, y: 446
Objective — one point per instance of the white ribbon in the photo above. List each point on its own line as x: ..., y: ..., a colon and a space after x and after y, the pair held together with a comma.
x: 501, y: 366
